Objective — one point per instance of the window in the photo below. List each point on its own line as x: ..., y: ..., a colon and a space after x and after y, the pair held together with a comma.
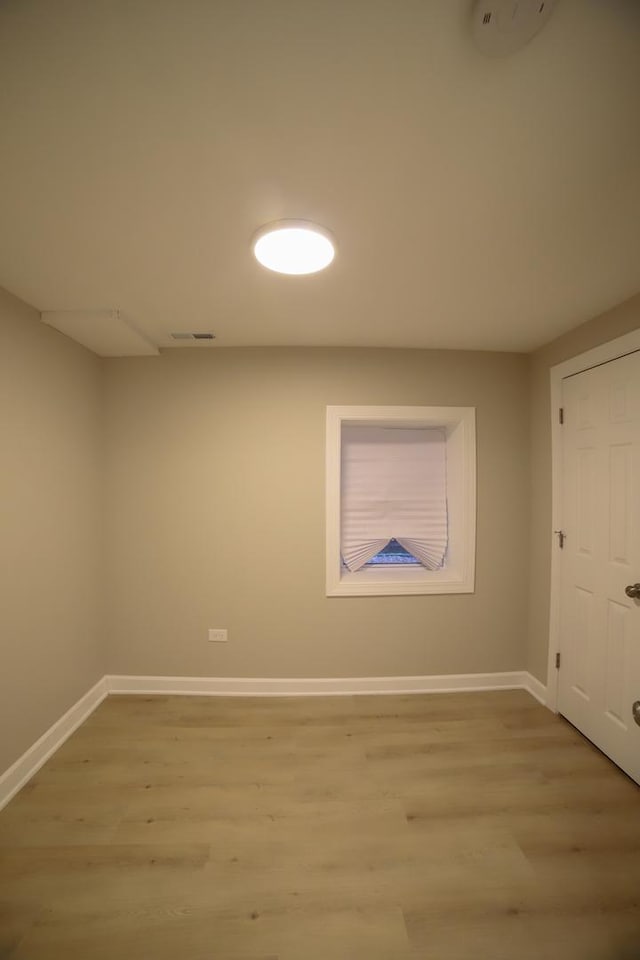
x: 393, y: 486
x: 400, y: 500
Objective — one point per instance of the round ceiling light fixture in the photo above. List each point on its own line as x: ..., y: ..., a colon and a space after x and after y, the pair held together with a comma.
x: 501, y: 27
x: 293, y: 246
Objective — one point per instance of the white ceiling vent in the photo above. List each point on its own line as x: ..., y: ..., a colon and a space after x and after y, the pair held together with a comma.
x: 192, y: 336
x: 501, y: 27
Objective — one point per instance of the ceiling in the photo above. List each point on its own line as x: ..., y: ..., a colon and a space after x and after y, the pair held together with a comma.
x: 478, y: 203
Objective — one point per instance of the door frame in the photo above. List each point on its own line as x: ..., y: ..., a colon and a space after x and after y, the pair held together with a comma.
x: 612, y: 350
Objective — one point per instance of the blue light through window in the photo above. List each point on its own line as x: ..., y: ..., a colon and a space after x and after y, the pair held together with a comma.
x: 392, y: 553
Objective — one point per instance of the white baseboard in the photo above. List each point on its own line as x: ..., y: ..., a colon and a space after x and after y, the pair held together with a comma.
x: 30, y: 762
x: 535, y: 688
x: 317, y: 687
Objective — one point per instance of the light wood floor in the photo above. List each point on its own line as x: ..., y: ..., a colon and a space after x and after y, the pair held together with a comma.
x: 464, y: 826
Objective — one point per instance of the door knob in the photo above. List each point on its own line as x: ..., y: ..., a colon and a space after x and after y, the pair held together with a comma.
x: 635, y: 710
x: 633, y: 591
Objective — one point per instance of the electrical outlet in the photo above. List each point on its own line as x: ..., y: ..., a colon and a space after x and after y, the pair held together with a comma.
x: 217, y: 636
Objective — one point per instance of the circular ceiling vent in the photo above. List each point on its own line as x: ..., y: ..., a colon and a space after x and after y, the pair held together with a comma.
x: 501, y: 27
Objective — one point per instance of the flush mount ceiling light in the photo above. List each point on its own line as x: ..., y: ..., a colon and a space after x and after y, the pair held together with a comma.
x: 294, y: 247
x: 501, y: 27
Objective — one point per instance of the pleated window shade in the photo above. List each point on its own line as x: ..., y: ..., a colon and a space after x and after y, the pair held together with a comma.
x: 393, y: 486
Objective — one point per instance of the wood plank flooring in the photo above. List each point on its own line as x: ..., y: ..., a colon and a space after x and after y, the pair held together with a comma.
x: 451, y: 826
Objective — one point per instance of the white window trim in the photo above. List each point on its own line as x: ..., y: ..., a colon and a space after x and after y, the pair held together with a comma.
x: 458, y: 573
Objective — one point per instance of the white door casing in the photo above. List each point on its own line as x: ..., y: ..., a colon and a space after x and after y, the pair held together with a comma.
x: 599, y: 625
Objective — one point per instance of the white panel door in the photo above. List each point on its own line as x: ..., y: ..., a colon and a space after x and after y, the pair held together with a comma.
x: 599, y: 678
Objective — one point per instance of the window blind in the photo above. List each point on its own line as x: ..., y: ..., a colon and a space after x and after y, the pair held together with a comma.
x: 393, y: 485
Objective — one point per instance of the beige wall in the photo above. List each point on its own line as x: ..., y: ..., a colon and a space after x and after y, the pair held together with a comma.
x: 50, y: 525
x: 208, y: 466
x: 614, y: 323
x: 215, y: 507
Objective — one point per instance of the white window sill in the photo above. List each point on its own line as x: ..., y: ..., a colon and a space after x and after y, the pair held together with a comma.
x: 391, y: 581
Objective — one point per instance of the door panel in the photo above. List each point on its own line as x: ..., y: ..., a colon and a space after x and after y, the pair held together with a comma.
x: 617, y: 647
x: 620, y: 473
x: 599, y: 677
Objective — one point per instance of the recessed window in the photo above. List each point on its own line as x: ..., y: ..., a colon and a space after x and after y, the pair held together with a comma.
x: 400, y: 500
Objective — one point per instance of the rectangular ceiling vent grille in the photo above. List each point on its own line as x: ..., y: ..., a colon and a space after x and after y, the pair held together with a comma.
x: 192, y: 336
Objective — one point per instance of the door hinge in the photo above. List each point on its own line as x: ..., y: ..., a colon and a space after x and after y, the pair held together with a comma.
x: 561, y: 414
x: 557, y: 661
x: 561, y: 538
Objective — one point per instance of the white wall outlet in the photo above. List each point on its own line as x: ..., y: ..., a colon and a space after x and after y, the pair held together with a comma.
x: 217, y: 636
